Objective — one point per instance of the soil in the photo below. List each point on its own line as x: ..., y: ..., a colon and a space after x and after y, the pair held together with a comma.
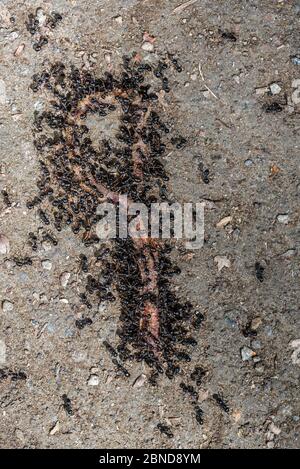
x: 245, y: 278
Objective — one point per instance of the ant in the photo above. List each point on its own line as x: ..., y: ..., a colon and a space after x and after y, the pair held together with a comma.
x: 165, y: 430
x: 220, y: 401
x: 259, y: 271
x: 81, y: 323
x: 67, y: 405
x: 197, y: 375
x: 199, y: 415
x: 189, y: 390
x: 6, y: 198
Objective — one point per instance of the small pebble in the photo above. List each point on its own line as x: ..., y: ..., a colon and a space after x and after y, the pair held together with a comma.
x: 20, y: 435
x: 41, y: 16
x: 2, y: 92
x: 255, y: 344
x: 148, y: 47
x: 55, y: 429
x: 46, y: 264
x: 13, y: 35
x: 93, y: 380
x: 119, y: 20
x: 295, y: 344
x: 140, y: 381
x: 260, y: 368
x: 255, y: 323
x: 275, y: 88
x: 4, y: 244
x: 2, y: 353
x: 64, y: 279
x: 284, y: 218
x: 225, y: 221
x: 295, y: 60
x: 261, y: 91
x: 222, y: 261
x: 248, y: 163
x: 256, y: 359
x: 19, y: 50
x: 7, y: 306
x: 274, y: 429
x: 247, y: 353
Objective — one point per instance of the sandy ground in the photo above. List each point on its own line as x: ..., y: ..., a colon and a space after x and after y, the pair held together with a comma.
x: 230, y: 52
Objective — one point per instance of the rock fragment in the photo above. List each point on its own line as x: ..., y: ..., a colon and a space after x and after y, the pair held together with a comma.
x: 2, y: 353
x: 4, y: 244
x: 225, y: 221
x: 222, y: 261
x: 247, y: 353
x: 7, y: 306
x: 64, y: 279
x: 55, y: 429
x: 140, y: 381
x: 275, y: 88
x: 295, y: 344
x: 283, y: 218
x: 2, y: 92
x: 46, y: 264
x: 93, y: 380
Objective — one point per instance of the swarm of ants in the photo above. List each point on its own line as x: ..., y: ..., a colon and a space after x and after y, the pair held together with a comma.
x: 76, y: 176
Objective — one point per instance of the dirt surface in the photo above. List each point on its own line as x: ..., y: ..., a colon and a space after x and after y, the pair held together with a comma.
x: 245, y: 278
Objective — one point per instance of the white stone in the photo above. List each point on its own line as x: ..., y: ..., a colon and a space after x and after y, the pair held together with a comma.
x: 261, y: 91
x: 148, y: 47
x: 275, y: 88
x: 225, y: 221
x: 13, y: 35
x: 284, y: 218
x: 222, y: 261
x: 140, y: 381
x: 295, y: 344
x: 93, y: 380
x: 2, y: 92
x: 274, y: 429
x: 55, y: 429
x: 2, y: 353
x: 7, y: 306
x: 4, y: 244
x: 64, y: 279
x: 46, y: 264
x: 247, y: 353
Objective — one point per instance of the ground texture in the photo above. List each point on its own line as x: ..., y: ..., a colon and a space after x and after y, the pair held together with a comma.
x: 236, y: 103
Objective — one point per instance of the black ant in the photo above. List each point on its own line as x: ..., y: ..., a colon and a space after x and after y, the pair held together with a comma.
x: 84, y: 263
x: 81, y: 323
x: 67, y: 405
x: 199, y: 318
x: 259, y: 271
x: 199, y: 415
x: 220, y: 401
x: 6, y: 198
x: 165, y: 430
x: 21, y: 261
x: 33, y: 241
x: 197, y: 375
x: 248, y: 332
x: 189, y: 390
